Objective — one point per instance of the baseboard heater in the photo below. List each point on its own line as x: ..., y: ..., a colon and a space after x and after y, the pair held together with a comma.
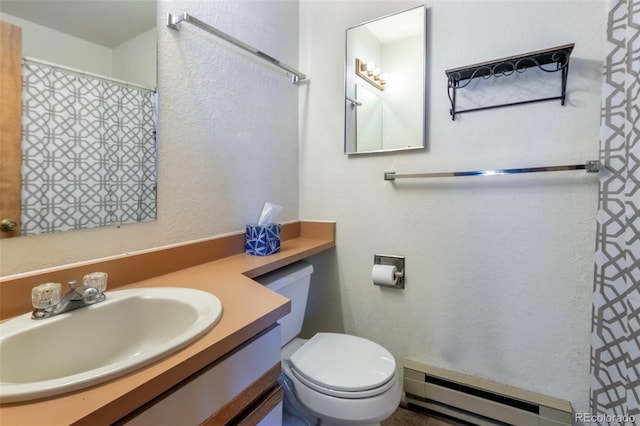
x: 478, y: 401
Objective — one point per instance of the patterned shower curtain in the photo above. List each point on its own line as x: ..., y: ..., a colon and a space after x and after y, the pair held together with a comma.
x: 88, y: 151
x: 615, y: 342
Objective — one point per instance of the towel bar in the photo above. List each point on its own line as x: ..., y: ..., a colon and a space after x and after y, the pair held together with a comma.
x: 173, y: 21
x: 591, y: 166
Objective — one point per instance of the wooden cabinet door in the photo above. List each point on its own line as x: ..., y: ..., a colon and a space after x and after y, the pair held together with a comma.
x: 10, y: 127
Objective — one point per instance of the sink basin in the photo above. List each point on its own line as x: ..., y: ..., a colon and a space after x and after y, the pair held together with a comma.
x: 78, y: 349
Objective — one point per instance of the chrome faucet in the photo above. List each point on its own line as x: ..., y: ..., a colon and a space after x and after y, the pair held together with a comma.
x: 47, y: 300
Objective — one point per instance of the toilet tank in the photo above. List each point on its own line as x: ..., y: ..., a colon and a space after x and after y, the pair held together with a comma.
x: 292, y: 282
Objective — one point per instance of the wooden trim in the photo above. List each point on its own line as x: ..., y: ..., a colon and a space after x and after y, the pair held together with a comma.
x: 265, y: 407
x: 10, y: 125
x: 288, y: 231
x: 318, y: 230
x: 237, y: 406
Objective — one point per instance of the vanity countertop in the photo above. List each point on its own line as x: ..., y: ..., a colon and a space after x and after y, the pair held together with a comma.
x: 248, y: 308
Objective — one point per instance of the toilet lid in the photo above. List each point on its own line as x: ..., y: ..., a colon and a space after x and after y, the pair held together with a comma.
x: 344, y: 363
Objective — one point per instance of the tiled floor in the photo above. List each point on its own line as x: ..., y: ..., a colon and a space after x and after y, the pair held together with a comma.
x: 404, y: 417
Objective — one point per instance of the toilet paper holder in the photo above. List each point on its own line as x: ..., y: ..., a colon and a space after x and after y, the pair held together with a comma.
x: 393, y: 260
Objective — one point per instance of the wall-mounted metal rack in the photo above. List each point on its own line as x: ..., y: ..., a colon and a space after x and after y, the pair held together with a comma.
x: 173, y: 22
x: 459, y: 78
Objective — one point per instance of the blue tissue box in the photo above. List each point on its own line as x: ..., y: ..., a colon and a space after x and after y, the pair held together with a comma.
x: 262, y: 240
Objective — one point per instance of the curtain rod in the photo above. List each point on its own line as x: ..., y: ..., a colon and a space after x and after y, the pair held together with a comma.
x: 173, y: 21
x: 591, y: 166
x: 82, y: 73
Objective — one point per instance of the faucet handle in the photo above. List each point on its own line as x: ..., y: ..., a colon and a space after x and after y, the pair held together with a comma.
x: 46, y: 295
x: 97, y: 280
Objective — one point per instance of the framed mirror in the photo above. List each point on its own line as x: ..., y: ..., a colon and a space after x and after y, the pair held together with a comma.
x: 385, y: 78
x: 87, y: 150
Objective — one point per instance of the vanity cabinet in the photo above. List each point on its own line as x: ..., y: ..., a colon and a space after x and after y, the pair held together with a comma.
x: 227, y: 376
x: 239, y: 389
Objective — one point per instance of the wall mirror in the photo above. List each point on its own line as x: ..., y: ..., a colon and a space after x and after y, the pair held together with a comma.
x: 385, y: 83
x: 87, y: 141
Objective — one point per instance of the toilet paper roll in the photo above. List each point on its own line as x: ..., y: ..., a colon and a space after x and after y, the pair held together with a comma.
x: 384, y: 274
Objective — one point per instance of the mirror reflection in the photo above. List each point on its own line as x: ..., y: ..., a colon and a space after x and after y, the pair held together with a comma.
x: 385, y: 83
x: 88, y: 100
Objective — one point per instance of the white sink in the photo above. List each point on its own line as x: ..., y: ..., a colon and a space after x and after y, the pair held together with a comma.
x: 91, y: 345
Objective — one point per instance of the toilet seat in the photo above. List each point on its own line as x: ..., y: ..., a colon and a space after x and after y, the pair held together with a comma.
x: 344, y: 366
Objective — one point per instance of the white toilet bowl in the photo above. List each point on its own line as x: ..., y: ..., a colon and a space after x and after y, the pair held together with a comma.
x: 338, y: 379
x: 332, y: 378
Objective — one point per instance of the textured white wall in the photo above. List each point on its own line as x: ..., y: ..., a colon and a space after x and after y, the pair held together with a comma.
x: 54, y: 46
x: 403, y: 99
x: 499, y: 269
x: 227, y: 139
x: 135, y: 60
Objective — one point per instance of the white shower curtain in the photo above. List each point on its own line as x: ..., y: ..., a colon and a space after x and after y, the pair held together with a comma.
x: 88, y: 151
x: 615, y: 341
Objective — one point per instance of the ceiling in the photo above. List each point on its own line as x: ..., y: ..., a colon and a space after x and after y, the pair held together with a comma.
x: 104, y: 22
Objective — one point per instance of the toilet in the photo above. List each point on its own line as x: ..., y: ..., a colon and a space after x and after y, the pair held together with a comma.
x: 332, y: 378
